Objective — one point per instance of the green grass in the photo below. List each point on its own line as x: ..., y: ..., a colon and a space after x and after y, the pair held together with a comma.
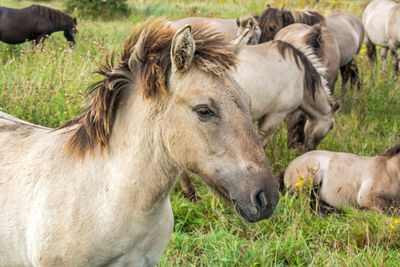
x: 48, y: 86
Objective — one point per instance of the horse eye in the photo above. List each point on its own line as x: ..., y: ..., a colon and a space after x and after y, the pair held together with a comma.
x: 204, y: 111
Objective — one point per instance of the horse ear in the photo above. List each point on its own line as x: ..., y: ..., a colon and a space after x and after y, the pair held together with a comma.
x: 251, y: 23
x: 268, y: 6
x: 242, y: 40
x: 238, y: 22
x: 182, y: 49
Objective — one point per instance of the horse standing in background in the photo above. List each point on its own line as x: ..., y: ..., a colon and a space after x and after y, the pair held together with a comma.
x: 260, y: 71
x: 324, y: 44
x: 34, y: 23
x: 381, y: 19
x: 347, y: 28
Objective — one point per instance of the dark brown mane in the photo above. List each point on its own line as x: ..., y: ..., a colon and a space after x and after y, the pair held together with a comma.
x: 314, y: 39
x: 312, y: 79
x: 146, y: 55
x: 57, y: 17
x: 392, y: 152
x: 274, y: 19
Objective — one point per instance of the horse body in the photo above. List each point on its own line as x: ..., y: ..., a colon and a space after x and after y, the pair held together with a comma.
x: 95, y: 192
x: 380, y: 19
x: 349, y: 33
x: 322, y: 40
x: 324, y: 44
x: 34, y: 23
x: 226, y: 26
x: 346, y: 179
x: 61, y: 209
x: 230, y: 27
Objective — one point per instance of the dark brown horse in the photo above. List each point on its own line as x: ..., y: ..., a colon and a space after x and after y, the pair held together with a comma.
x: 34, y: 23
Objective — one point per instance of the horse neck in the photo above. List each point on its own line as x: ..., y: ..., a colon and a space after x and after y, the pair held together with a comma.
x: 393, y: 166
x: 136, y: 151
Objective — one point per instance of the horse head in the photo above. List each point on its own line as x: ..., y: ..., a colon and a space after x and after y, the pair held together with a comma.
x: 251, y: 23
x: 70, y: 32
x: 272, y: 20
x: 218, y: 141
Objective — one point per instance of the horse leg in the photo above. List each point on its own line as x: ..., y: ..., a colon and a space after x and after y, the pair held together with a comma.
x: 40, y: 40
x: 371, y: 49
x: 395, y: 62
x: 295, y: 122
x: 383, y: 57
x: 188, y: 188
x: 345, y: 73
x: 354, y: 76
x: 268, y: 124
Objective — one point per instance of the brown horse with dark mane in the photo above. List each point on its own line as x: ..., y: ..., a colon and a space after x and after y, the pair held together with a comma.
x: 34, y: 23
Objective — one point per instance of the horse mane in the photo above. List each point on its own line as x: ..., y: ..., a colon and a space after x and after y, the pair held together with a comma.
x: 313, y: 69
x: 147, y: 54
x: 57, y: 17
x: 392, y: 152
x: 313, y: 38
x: 272, y: 16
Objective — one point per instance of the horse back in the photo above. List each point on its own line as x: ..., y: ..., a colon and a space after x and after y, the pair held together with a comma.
x: 349, y: 33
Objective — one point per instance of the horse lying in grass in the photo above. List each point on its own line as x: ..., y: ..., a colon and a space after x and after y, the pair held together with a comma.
x: 34, y: 23
x: 95, y: 192
x: 280, y: 79
x: 322, y: 40
x: 346, y: 179
x: 382, y: 24
x: 346, y: 27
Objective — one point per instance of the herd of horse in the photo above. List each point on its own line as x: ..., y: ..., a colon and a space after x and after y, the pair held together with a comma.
x: 95, y: 191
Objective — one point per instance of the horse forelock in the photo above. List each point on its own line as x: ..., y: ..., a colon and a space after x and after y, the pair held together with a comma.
x: 57, y: 17
x: 274, y: 17
x: 392, y: 152
x: 146, y: 55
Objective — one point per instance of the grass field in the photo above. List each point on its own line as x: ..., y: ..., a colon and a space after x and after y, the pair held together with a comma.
x: 48, y: 86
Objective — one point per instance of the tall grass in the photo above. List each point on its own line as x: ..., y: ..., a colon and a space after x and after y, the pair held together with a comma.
x: 47, y: 86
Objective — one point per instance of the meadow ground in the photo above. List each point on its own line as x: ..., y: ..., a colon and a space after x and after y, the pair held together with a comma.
x: 48, y: 86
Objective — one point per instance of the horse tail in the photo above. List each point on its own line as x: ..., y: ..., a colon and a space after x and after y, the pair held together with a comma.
x: 314, y: 71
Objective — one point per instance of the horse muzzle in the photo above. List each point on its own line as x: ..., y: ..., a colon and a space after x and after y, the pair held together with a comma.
x: 259, y: 206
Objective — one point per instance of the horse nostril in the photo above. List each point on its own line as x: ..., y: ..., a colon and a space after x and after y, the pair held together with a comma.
x: 260, y: 200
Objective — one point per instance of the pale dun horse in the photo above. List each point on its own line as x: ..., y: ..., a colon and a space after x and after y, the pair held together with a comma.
x: 95, y: 192
x: 381, y: 19
x: 231, y: 28
x: 344, y: 179
x: 324, y: 44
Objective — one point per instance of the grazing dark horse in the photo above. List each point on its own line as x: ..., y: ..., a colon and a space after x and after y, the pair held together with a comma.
x: 34, y: 23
